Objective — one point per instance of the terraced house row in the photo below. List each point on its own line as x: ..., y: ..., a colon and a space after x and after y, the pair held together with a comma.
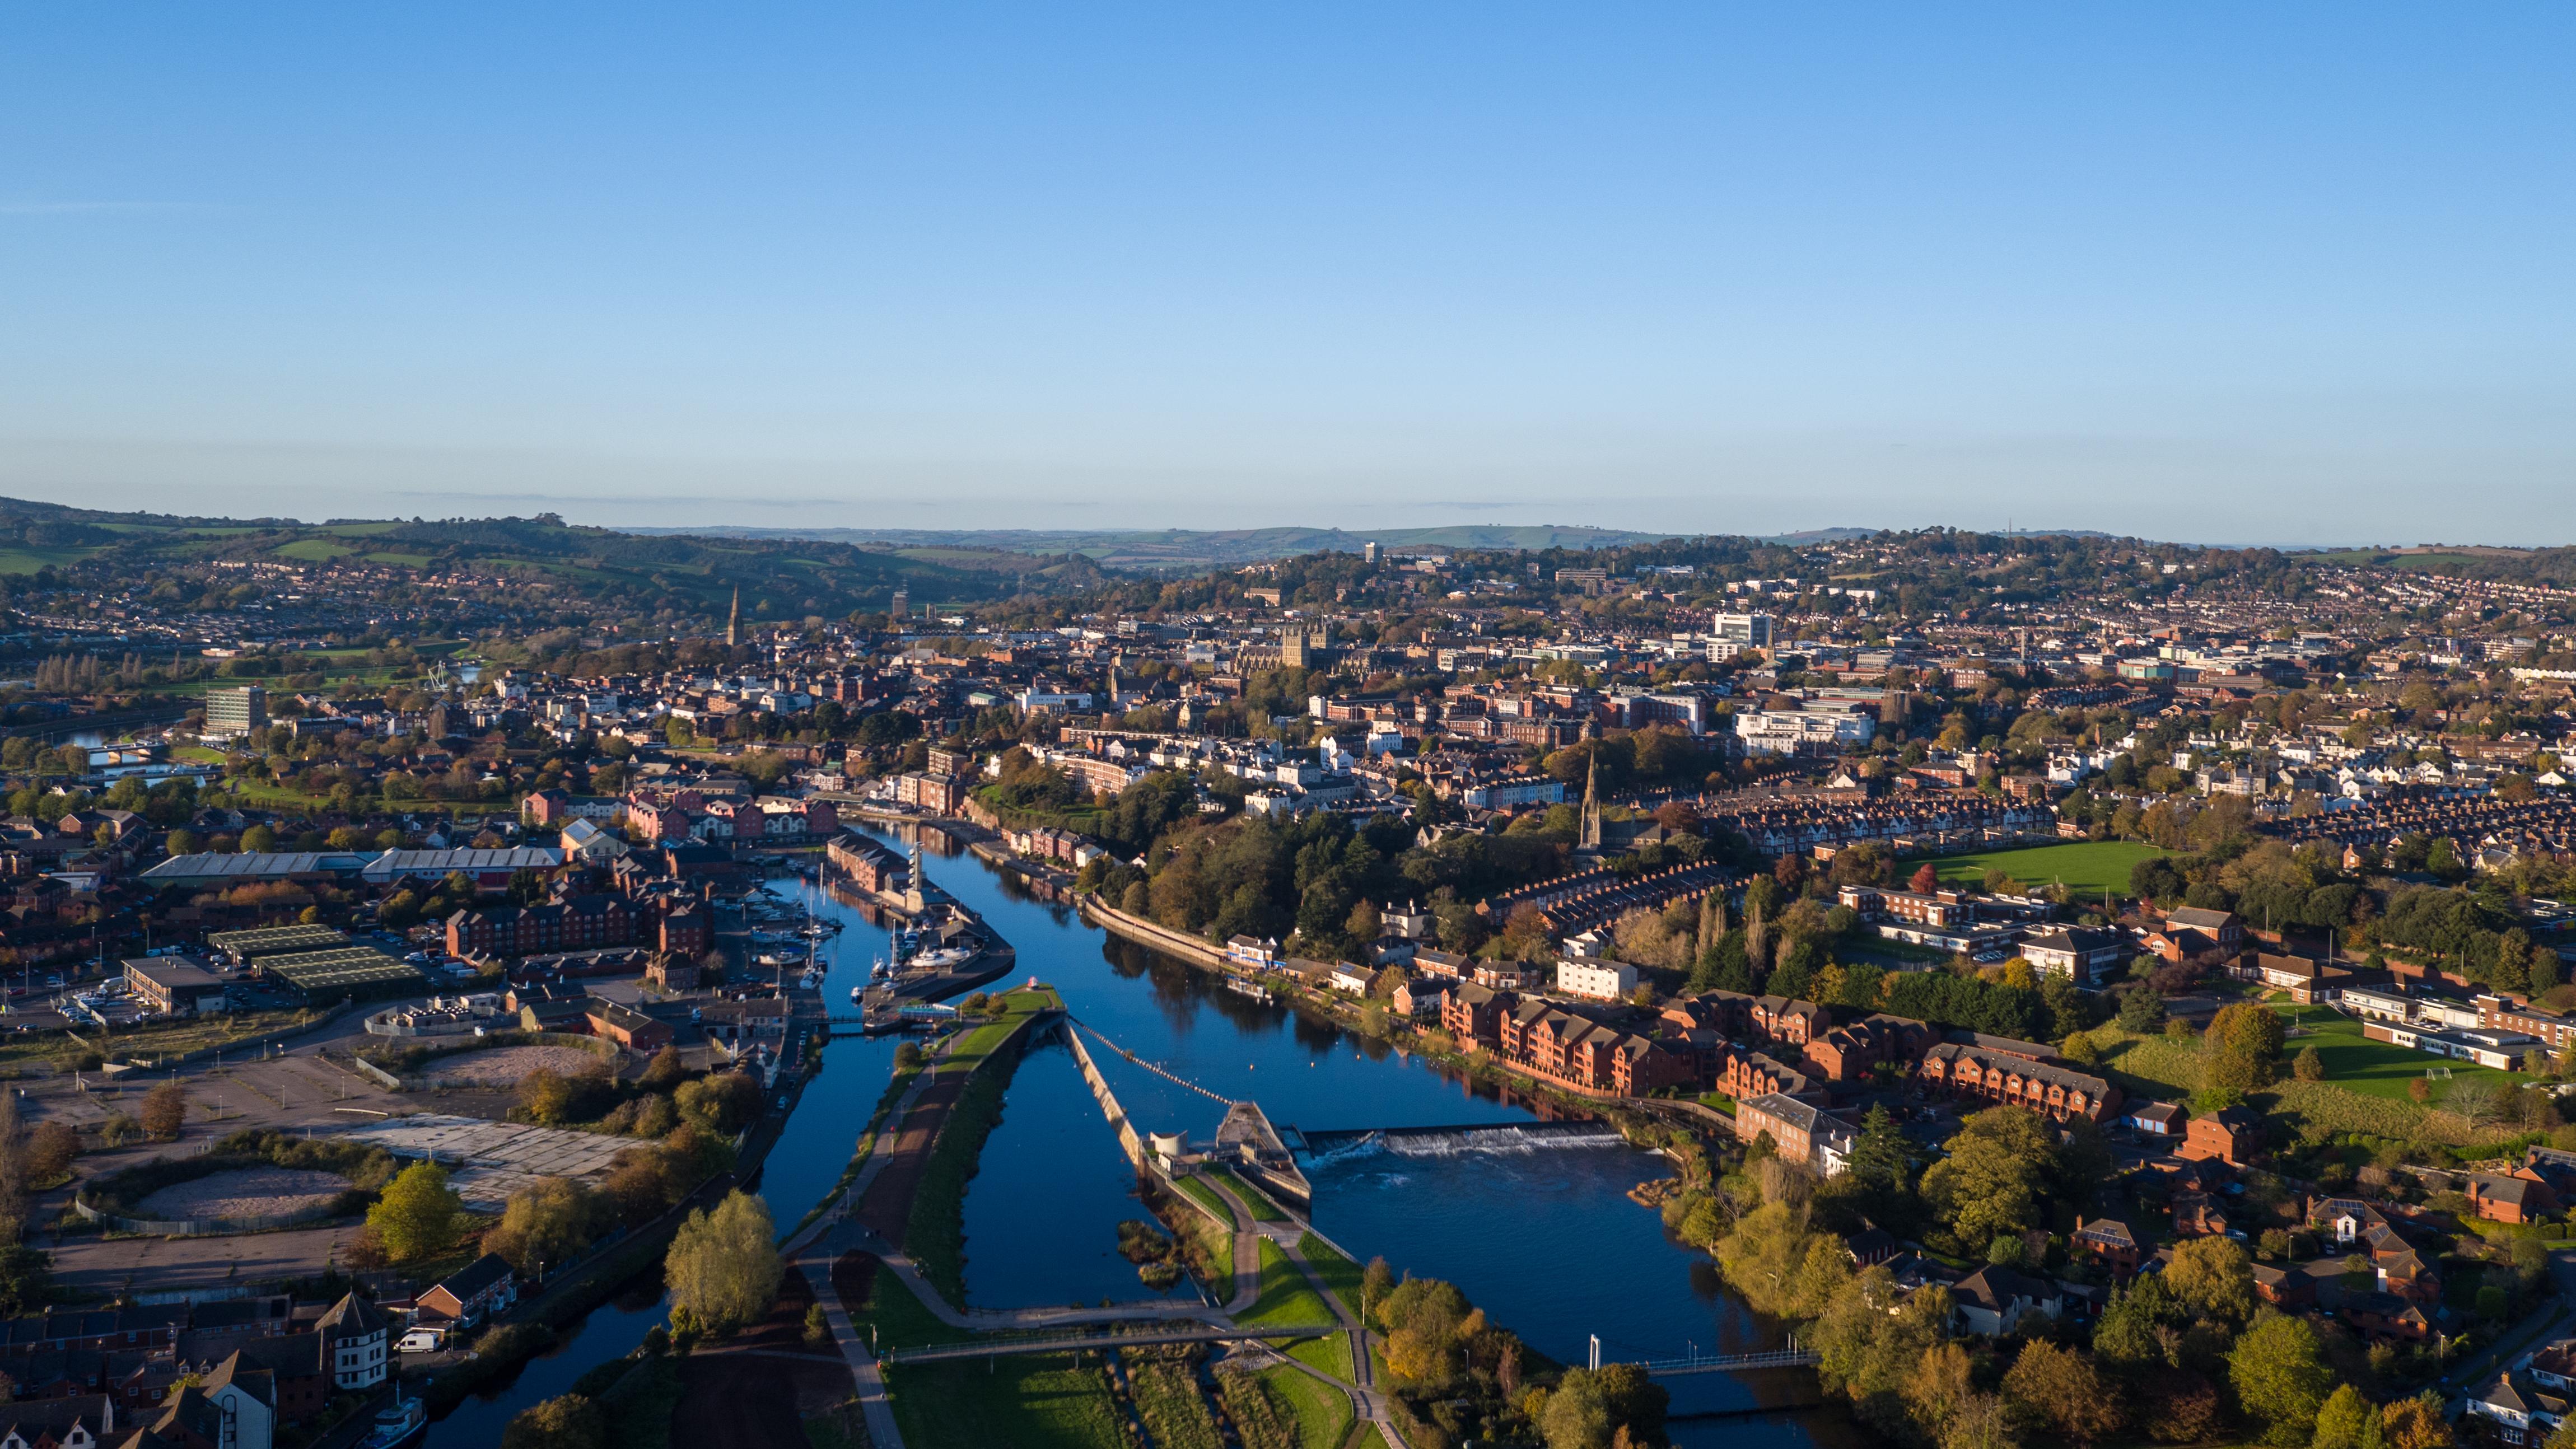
x: 1531, y: 1035
x: 2054, y: 1091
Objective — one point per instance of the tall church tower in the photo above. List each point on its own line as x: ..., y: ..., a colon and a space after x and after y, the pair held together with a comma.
x: 1591, y: 804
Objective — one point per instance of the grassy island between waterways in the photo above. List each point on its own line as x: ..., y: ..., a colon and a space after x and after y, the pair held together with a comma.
x: 935, y: 1230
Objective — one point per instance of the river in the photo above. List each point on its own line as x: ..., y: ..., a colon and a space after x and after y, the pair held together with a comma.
x: 1542, y: 1237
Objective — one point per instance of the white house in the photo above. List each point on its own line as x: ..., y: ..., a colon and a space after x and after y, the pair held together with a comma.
x: 1599, y: 979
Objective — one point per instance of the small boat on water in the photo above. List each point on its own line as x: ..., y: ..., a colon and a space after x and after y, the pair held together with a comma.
x: 399, y: 1425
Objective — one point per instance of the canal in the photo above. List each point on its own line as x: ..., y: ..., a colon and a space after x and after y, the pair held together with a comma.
x: 1539, y: 1234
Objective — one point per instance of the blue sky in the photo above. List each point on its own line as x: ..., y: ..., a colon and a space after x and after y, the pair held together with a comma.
x: 2279, y: 273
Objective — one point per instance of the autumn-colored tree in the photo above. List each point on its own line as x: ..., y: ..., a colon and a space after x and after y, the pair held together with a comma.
x: 2060, y: 1390
x: 1926, y: 880
x: 2415, y: 1423
x: 666, y: 1070
x: 723, y: 1266
x: 50, y: 1150
x: 547, y: 1222
x: 165, y: 1110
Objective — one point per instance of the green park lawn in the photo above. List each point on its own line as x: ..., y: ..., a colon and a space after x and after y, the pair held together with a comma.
x: 1322, y: 1413
x: 1286, y: 1298
x: 1340, y: 1274
x: 1255, y: 1201
x: 1037, y: 1402
x: 1206, y: 1197
x: 2377, y: 1068
x: 2086, y: 867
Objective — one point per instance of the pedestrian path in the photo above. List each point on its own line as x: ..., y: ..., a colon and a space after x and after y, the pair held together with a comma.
x: 836, y: 1231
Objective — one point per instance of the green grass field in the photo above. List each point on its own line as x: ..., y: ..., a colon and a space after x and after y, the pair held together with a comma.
x: 1286, y: 1297
x: 1029, y: 1403
x: 1331, y: 1354
x: 1206, y: 1197
x: 1341, y: 1276
x: 2086, y: 868
x: 2378, y: 1068
x: 1323, y: 1413
x: 2364, y: 1090
x: 1263, y: 1209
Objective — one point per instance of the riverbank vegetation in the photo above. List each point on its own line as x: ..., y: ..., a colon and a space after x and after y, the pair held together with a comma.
x: 1162, y: 1383
x: 2179, y: 1357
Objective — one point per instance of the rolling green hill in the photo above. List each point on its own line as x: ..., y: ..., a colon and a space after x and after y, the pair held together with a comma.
x: 778, y: 577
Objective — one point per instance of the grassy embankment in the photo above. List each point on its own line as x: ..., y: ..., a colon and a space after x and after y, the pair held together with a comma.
x: 1205, y: 1232
x: 1262, y: 1208
x: 935, y: 1232
x: 1286, y: 1298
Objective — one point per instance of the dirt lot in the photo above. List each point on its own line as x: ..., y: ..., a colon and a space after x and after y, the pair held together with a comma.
x: 244, y: 1193
x: 746, y: 1394
x: 504, y: 1066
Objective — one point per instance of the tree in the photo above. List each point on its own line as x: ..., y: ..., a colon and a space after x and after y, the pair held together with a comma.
x: 723, y: 1265
x: 165, y: 1109
x: 258, y: 840
x: 1377, y: 1284
x: 569, y: 1422
x: 2131, y: 1333
x: 2281, y: 1377
x: 2212, y: 1278
x: 666, y: 1070
x: 2309, y: 1067
x: 1879, y: 1159
x: 2059, y: 1389
x: 548, y: 1095
x: 50, y: 1150
x: 417, y: 1215
x: 2415, y: 1423
x: 722, y: 1102
x: 2346, y: 1422
x: 547, y: 1222
x: 2242, y: 1043
x: 1926, y: 880
x: 2141, y: 1010
x: 1781, y: 1267
x: 1991, y: 1182
x: 1574, y: 1416
x: 1980, y: 1422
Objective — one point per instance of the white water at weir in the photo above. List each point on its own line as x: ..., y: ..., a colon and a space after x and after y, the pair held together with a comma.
x: 1490, y: 1142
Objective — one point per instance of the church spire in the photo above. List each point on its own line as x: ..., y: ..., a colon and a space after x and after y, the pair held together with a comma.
x: 1591, y: 801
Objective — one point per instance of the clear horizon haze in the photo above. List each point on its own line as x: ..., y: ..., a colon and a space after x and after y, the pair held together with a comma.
x: 2282, y: 274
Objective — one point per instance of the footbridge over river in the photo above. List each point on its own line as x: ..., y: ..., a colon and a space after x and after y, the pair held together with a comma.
x: 1245, y: 1140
